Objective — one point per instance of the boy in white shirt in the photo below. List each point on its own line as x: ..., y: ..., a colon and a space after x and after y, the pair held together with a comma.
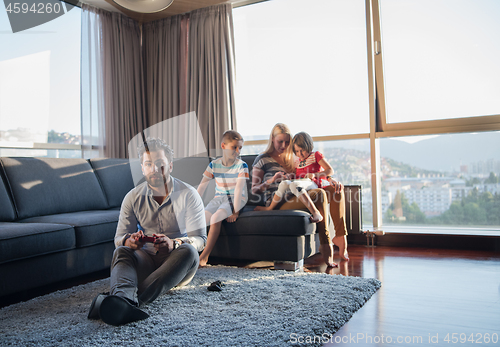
x: 230, y: 175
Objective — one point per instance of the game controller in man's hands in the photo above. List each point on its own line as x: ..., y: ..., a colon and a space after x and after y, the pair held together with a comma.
x: 151, y: 239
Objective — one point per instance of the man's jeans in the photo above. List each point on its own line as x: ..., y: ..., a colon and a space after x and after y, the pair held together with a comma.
x: 142, y: 277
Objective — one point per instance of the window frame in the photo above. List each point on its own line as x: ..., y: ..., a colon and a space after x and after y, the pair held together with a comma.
x: 440, y: 126
x: 379, y: 127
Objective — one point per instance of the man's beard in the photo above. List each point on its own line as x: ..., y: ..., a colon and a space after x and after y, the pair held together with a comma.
x: 156, y: 180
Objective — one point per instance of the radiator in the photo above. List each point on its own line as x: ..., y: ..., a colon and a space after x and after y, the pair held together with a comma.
x: 353, y: 209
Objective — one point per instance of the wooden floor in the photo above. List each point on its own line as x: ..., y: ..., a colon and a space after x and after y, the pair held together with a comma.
x: 427, y: 296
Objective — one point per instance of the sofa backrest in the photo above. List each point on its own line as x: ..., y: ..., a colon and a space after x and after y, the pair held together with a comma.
x: 190, y: 170
x: 249, y: 159
x: 7, y: 212
x: 115, y: 178
x: 253, y: 199
x: 43, y: 186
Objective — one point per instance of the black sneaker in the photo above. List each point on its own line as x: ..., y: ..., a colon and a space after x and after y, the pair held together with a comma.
x: 116, y: 310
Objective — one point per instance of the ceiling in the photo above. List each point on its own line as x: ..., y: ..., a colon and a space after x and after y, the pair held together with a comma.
x: 177, y: 7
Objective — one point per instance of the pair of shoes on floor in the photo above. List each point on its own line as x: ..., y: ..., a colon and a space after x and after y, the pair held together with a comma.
x: 216, y: 286
x: 115, y: 310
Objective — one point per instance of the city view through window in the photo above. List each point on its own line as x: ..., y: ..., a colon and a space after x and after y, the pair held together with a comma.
x: 439, y: 180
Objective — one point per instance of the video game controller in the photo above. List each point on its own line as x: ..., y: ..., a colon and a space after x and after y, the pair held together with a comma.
x: 216, y: 286
x: 151, y: 239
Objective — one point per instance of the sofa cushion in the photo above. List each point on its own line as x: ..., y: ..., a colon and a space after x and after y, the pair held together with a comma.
x: 7, y: 213
x: 19, y: 240
x: 91, y: 227
x: 45, y: 186
x: 276, y: 222
x: 115, y: 178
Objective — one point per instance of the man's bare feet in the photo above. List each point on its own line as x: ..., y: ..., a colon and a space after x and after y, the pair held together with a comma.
x: 326, y: 251
x: 341, y: 243
x: 316, y: 217
x: 262, y: 208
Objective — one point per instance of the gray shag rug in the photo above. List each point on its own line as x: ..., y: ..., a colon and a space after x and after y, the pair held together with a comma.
x: 255, y: 308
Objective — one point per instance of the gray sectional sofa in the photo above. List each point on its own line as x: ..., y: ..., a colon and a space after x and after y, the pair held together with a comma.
x: 58, y: 219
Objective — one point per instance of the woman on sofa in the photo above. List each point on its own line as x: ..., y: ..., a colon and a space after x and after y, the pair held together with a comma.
x: 273, y: 166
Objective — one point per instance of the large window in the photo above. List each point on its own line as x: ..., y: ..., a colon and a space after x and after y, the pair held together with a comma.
x: 440, y: 58
x: 442, y: 180
x: 303, y: 64
x: 433, y: 117
x: 40, y: 87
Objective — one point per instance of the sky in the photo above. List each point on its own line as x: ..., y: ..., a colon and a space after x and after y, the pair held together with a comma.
x: 301, y: 68
x: 441, y: 58
x: 40, y: 75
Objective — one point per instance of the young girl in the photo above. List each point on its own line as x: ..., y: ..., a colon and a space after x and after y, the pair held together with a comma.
x: 311, y: 171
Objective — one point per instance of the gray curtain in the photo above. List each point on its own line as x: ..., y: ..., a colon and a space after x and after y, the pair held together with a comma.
x: 164, y: 52
x: 120, y: 83
x: 185, y: 65
x: 189, y: 67
x: 211, y: 72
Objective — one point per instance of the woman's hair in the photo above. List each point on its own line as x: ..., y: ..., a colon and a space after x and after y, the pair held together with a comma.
x: 278, y: 128
x: 281, y: 128
x: 302, y: 140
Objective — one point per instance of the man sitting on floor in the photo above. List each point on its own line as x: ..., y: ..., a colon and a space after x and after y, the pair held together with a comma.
x: 160, y: 232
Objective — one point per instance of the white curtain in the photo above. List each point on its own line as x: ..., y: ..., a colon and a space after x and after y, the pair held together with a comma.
x: 92, y: 96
